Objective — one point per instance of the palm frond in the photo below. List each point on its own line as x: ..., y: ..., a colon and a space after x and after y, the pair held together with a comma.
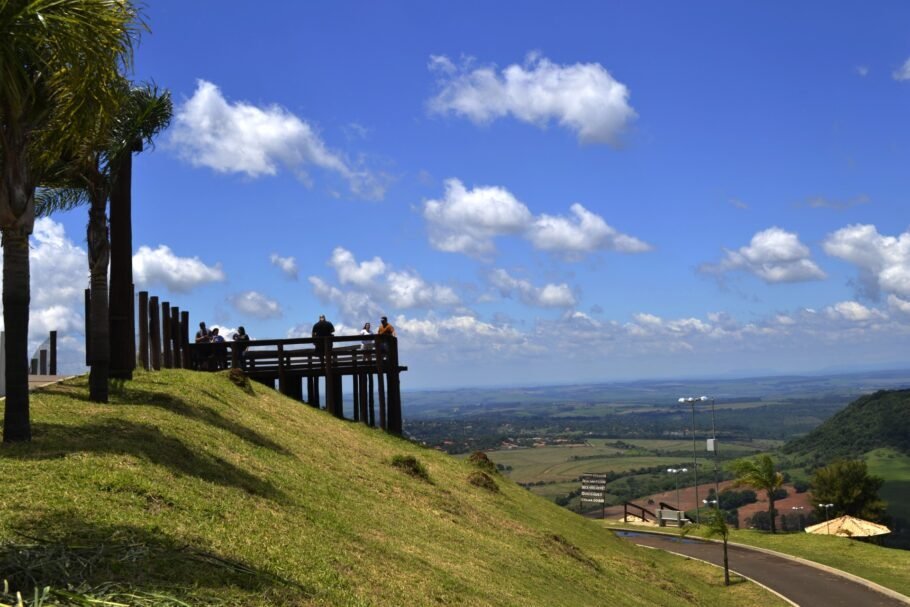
x: 55, y: 200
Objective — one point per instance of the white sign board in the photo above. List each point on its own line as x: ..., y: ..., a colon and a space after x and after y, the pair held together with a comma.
x: 594, y: 488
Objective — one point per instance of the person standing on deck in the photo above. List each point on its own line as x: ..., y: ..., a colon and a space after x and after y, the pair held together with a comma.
x: 366, y: 344
x: 322, y: 329
x: 385, y: 328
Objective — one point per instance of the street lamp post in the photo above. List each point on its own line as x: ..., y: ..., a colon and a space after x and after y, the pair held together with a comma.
x: 827, y: 518
x: 801, y: 525
x: 691, y: 401
x: 675, y: 472
x: 713, y: 444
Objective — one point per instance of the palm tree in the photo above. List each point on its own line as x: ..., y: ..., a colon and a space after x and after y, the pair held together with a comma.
x: 90, y: 177
x: 58, y: 60
x: 716, y: 525
x: 146, y: 113
x: 760, y: 475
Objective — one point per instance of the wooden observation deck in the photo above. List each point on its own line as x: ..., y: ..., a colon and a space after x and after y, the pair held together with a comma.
x: 302, y: 368
x: 296, y: 366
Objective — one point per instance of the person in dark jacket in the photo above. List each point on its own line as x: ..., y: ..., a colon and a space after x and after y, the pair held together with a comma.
x: 322, y: 329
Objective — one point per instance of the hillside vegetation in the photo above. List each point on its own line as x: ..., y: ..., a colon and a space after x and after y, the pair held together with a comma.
x: 191, y: 487
x: 870, y: 422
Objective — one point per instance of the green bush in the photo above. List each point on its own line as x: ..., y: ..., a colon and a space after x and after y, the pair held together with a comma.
x: 484, y: 481
x: 411, y: 465
x: 480, y: 460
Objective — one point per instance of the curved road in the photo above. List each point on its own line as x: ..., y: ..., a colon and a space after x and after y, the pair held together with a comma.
x: 804, y: 585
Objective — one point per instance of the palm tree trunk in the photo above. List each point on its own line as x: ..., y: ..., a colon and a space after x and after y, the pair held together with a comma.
x: 771, y: 509
x: 17, y: 218
x: 123, y: 355
x: 16, y: 296
x: 98, y: 259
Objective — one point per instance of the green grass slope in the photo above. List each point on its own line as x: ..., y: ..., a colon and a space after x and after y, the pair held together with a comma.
x: 190, y: 487
x: 870, y: 422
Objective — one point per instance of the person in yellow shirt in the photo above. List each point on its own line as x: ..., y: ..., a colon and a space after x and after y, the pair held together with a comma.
x: 385, y: 328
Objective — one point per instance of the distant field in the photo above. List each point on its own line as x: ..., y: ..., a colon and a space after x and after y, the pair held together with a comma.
x: 564, y: 463
x: 556, y: 463
x: 894, y: 467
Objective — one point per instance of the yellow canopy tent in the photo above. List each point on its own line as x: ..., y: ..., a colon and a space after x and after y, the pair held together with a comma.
x: 848, y: 526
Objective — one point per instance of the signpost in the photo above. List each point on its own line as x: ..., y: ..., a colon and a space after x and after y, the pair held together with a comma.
x: 594, y: 489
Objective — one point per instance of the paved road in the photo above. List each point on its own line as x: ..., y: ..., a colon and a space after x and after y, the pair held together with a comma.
x: 804, y: 585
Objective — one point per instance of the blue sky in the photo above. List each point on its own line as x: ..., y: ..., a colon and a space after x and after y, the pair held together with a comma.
x: 532, y: 193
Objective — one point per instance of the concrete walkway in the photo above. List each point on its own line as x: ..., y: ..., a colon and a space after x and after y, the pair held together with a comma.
x: 802, y: 584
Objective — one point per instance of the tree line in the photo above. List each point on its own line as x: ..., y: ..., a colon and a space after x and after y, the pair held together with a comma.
x: 70, y: 121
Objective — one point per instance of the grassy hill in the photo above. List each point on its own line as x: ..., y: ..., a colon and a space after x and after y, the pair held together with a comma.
x: 870, y: 422
x: 190, y: 488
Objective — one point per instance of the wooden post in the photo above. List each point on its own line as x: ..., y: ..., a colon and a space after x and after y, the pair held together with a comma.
x: 282, y: 380
x: 355, y: 390
x: 185, y: 339
x: 394, y: 415
x: 295, y: 387
x: 355, y: 393
x: 312, y: 391
x: 144, y: 330
x: 154, y: 333
x: 362, y: 383
x: 372, y: 404
x: 42, y: 362
x: 166, y: 334
x: 330, y: 400
x: 175, y: 337
x: 53, y: 369
x: 88, y: 327
x: 382, y: 403
x: 339, y: 397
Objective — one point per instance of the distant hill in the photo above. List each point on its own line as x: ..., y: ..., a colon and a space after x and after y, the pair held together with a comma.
x: 191, y: 487
x: 879, y: 420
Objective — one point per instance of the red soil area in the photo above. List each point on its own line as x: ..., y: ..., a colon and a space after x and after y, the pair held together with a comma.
x: 687, y: 501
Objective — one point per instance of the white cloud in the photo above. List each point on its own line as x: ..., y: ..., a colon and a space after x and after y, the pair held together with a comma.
x: 59, y: 269
x: 466, y: 221
x: 376, y: 287
x: 903, y: 72
x: 582, y: 97
x: 255, y: 304
x: 583, y: 233
x: 353, y: 305
x: 350, y: 272
x: 853, y: 311
x: 178, y: 274
x: 862, y: 70
x: 899, y: 304
x: 58, y: 279
x: 467, y: 329
x: 883, y: 261
x: 409, y: 290
x: 288, y: 265
x: 243, y: 138
x: 548, y: 296
x: 774, y: 255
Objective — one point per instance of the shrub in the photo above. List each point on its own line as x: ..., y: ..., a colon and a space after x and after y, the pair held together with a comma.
x: 801, y: 486
x: 411, y: 465
x: 479, y: 459
x: 240, y: 379
x: 484, y: 481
